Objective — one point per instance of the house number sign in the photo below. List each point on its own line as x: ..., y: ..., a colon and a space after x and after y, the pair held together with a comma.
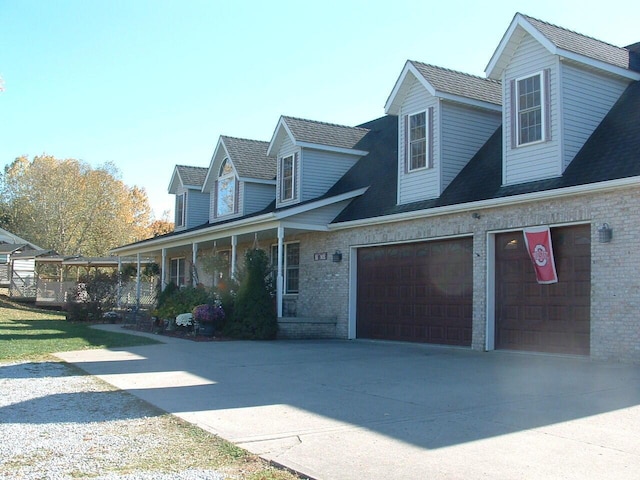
x: 319, y: 256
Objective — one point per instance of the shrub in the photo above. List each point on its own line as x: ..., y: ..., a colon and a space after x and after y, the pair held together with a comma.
x: 94, y: 294
x: 254, y: 317
x: 173, y: 300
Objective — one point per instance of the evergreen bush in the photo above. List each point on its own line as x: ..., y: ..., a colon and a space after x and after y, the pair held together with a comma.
x: 254, y: 316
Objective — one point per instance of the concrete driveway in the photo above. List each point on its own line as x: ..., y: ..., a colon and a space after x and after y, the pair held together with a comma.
x: 377, y: 410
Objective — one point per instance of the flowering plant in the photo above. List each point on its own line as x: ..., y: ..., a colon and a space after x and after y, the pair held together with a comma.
x: 184, y: 319
x: 208, y: 313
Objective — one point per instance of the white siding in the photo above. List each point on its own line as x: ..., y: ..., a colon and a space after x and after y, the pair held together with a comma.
x: 288, y: 148
x: 257, y: 196
x: 320, y: 170
x: 542, y: 160
x: 421, y: 184
x: 464, y: 131
x: 586, y: 98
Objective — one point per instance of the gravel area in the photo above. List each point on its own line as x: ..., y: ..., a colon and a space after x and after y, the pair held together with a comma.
x: 57, y: 423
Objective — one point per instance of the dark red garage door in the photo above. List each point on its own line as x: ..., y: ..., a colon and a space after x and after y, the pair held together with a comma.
x: 418, y: 292
x: 544, y: 318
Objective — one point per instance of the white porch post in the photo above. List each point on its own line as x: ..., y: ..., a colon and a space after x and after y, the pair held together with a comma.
x: 280, y: 277
x: 163, y: 270
x: 119, y: 301
x: 194, y: 257
x: 138, y: 285
x: 234, y: 245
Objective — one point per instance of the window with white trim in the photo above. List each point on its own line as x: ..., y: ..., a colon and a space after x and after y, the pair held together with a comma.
x: 290, y: 267
x: 530, y: 117
x: 417, y: 141
x: 177, y: 272
x: 287, y: 180
x: 226, y: 190
x: 180, y: 201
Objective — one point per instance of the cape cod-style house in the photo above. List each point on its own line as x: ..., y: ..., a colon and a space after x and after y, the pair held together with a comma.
x: 410, y: 227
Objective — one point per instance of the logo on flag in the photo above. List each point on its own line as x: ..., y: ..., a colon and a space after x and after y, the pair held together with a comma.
x: 538, y: 243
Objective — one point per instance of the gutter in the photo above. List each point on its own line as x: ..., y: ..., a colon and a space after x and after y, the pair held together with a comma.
x: 491, y: 203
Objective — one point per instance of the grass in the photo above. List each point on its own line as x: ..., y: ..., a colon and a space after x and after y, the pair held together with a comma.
x: 33, y: 334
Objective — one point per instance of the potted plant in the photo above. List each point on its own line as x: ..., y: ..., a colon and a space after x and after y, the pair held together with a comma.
x: 209, y: 317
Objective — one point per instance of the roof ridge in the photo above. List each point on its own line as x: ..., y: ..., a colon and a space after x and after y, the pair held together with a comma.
x: 191, y: 166
x: 244, y: 139
x: 324, y: 123
x: 529, y: 17
x: 491, y: 80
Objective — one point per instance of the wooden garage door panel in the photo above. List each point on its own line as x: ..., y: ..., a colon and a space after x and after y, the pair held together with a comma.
x: 547, y: 318
x: 425, y: 294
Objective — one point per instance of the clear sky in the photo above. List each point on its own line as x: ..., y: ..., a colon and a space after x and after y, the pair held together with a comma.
x: 148, y: 84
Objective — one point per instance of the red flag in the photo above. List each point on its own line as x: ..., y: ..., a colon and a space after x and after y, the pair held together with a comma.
x: 538, y: 242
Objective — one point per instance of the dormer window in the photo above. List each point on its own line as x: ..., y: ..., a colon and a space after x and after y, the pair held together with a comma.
x: 529, y: 94
x: 226, y: 193
x: 417, y: 141
x: 287, y: 180
x: 180, y: 210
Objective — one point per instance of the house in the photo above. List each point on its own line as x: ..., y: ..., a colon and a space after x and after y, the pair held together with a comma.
x: 410, y: 227
x: 10, y: 246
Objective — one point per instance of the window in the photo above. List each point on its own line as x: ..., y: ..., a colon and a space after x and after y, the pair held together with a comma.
x: 176, y: 272
x: 180, y: 210
x: 529, y: 97
x: 417, y: 141
x: 287, y: 184
x: 226, y: 190
x: 290, y: 267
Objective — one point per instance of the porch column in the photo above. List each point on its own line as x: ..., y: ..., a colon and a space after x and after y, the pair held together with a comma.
x: 234, y: 245
x: 163, y: 277
x: 119, y: 301
x: 215, y: 263
x: 194, y: 257
x: 280, y: 277
x: 138, y: 285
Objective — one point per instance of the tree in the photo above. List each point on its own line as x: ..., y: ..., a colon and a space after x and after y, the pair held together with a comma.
x: 162, y: 226
x: 69, y: 207
x: 254, y: 315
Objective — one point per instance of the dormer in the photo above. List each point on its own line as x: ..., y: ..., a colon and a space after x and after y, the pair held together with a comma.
x: 240, y: 179
x: 191, y: 205
x: 557, y: 87
x: 311, y: 157
x: 444, y: 117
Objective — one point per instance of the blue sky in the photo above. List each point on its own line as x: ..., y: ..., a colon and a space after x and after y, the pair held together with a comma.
x: 151, y: 84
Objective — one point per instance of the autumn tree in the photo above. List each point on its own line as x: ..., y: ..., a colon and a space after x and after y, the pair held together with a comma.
x: 162, y: 226
x: 70, y: 207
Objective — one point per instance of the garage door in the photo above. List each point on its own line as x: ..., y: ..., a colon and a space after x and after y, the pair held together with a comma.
x: 544, y: 318
x: 418, y: 292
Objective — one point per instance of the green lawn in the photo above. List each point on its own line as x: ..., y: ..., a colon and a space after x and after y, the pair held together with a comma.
x: 31, y: 334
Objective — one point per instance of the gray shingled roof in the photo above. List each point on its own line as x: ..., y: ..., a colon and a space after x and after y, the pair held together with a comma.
x: 328, y: 134
x: 192, y: 176
x: 461, y: 84
x: 11, y: 247
x: 250, y: 157
x: 581, y: 44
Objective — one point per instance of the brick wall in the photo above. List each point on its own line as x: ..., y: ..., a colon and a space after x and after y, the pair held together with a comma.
x: 615, y: 273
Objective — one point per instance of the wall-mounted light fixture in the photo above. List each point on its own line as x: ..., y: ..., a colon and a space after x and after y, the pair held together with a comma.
x: 475, y: 215
x: 337, y: 257
x: 605, y: 233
